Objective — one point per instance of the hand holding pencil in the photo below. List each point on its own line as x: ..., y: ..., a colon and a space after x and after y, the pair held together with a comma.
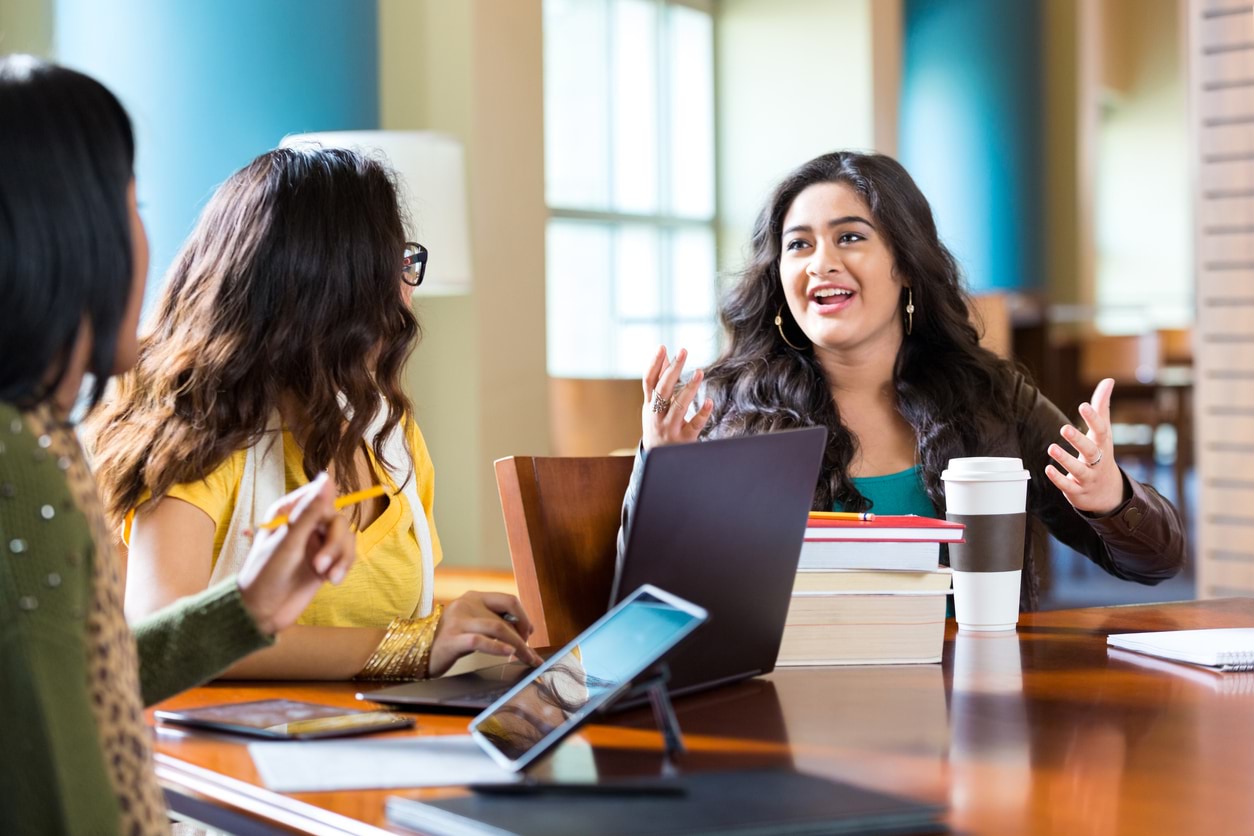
x: 341, y: 503
x: 489, y: 622
x: 290, y: 561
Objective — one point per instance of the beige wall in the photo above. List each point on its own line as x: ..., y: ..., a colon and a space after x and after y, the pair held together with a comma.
x: 795, y: 80
x: 478, y: 379
x: 887, y: 34
x: 26, y: 26
x: 1065, y: 282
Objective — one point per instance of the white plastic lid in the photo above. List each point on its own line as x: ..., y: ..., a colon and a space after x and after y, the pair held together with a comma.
x: 985, y: 469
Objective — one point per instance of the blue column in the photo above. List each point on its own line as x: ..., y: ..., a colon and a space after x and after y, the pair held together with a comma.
x: 971, y: 124
x: 210, y: 84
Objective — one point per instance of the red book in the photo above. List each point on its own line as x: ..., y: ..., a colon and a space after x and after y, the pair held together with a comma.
x: 884, y: 529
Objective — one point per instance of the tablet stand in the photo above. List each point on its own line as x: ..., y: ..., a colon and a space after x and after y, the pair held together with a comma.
x: 654, y: 684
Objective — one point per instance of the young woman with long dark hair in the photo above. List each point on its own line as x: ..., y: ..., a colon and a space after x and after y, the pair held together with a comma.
x: 276, y: 351
x: 851, y: 315
x: 75, y: 753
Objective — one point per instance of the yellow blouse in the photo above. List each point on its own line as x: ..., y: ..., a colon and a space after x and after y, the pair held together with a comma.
x: 386, y: 579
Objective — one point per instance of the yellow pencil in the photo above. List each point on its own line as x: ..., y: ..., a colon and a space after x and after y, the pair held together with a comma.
x: 855, y: 516
x: 340, y: 502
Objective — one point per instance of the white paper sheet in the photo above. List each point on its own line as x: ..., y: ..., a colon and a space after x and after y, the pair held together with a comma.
x: 436, y: 761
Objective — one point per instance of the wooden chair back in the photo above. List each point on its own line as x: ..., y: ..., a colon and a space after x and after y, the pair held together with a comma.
x: 1177, y: 346
x: 1130, y: 359
x: 1133, y: 361
x: 561, y: 518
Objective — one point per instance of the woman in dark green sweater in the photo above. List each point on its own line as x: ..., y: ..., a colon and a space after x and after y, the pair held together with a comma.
x: 74, y: 749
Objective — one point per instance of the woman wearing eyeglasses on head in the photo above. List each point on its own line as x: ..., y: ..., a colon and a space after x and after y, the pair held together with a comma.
x: 276, y: 351
x: 75, y: 755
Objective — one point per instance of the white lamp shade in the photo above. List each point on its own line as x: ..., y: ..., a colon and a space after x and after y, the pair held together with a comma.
x: 430, y: 170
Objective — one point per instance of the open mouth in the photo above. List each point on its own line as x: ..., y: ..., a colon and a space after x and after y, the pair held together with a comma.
x: 829, y: 299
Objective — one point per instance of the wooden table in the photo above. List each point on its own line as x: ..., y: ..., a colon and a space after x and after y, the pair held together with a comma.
x: 1042, y: 731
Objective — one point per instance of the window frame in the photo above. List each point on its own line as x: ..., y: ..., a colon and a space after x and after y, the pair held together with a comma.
x: 664, y: 222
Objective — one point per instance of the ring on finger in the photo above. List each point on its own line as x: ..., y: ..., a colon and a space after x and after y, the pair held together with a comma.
x: 660, y: 404
x: 1095, y: 461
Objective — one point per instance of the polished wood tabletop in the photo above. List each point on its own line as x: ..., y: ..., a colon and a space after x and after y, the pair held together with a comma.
x: 1042, y: 730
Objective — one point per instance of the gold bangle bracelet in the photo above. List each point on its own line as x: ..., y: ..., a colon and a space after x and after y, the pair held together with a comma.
x: 405, y: 652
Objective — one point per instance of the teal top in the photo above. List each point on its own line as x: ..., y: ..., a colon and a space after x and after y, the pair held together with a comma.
x: 895, y: 493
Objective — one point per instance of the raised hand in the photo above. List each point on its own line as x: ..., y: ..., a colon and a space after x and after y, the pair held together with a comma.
x: 476, y: 621
x: 663, y: 417
x: 1092, y: 482
x: 287, y: 566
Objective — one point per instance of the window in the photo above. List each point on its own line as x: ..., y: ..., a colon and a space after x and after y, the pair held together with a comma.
x: 629, y: 168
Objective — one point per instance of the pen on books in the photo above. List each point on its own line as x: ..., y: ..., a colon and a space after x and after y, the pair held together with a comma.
x: 340, y: 503
x: 856, y: 516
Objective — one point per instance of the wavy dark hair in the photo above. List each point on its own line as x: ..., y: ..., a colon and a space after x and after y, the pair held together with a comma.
x: 948, y: 387
x: 290, y: 284
x: 66, y: 160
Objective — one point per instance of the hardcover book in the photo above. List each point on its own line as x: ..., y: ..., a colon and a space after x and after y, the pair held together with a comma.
x: 890, y: 528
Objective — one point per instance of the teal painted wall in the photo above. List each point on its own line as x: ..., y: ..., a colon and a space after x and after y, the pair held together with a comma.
x: 212, y: 83
x: 971, y: 124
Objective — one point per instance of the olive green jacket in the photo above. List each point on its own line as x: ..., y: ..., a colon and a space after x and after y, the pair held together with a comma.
x: 53, y: 778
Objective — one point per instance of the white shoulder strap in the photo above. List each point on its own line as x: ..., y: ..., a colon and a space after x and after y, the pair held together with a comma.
x: 402, y: 471
x: 396, y: 450
x: 263, y: 484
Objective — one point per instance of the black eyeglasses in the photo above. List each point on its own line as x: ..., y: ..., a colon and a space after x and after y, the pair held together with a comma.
x: 415, y: 264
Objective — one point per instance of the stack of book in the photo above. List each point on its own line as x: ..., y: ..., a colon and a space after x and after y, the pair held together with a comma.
x: 869, y: 592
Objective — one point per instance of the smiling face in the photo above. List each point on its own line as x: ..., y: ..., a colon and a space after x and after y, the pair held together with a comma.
x: 838, y: 272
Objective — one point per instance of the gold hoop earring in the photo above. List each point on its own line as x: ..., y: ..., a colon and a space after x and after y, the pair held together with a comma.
x: 909, y: 311
x: 779, y: 323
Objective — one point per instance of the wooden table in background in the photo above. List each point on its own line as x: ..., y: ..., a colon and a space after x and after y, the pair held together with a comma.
x: 1042, y: 731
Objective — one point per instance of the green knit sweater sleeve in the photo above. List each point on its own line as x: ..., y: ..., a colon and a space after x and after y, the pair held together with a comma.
x: 194, y: 640
x: 52, y: 773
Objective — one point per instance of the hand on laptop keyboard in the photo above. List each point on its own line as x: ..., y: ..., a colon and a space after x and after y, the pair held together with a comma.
x: 476, y: 621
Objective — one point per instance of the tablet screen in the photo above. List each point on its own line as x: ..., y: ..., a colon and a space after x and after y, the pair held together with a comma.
x: 602, y: 661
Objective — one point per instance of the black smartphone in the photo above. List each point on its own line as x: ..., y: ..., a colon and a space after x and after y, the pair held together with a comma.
x: 286, y: 719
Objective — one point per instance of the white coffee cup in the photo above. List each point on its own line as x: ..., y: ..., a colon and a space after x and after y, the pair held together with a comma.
x: 989, y: 496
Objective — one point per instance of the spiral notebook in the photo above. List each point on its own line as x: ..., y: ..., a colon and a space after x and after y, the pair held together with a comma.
x: 1224, y: 649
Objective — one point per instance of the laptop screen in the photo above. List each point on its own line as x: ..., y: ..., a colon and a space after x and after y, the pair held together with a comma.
x: 602, y: 661
x: 720, y: 523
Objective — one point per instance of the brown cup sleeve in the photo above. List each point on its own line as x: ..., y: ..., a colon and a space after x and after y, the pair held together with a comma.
x: 992, y: 542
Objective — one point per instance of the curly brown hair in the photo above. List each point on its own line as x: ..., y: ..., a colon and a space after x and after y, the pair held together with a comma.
x: 289, y: 286
x: 949, y: 388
